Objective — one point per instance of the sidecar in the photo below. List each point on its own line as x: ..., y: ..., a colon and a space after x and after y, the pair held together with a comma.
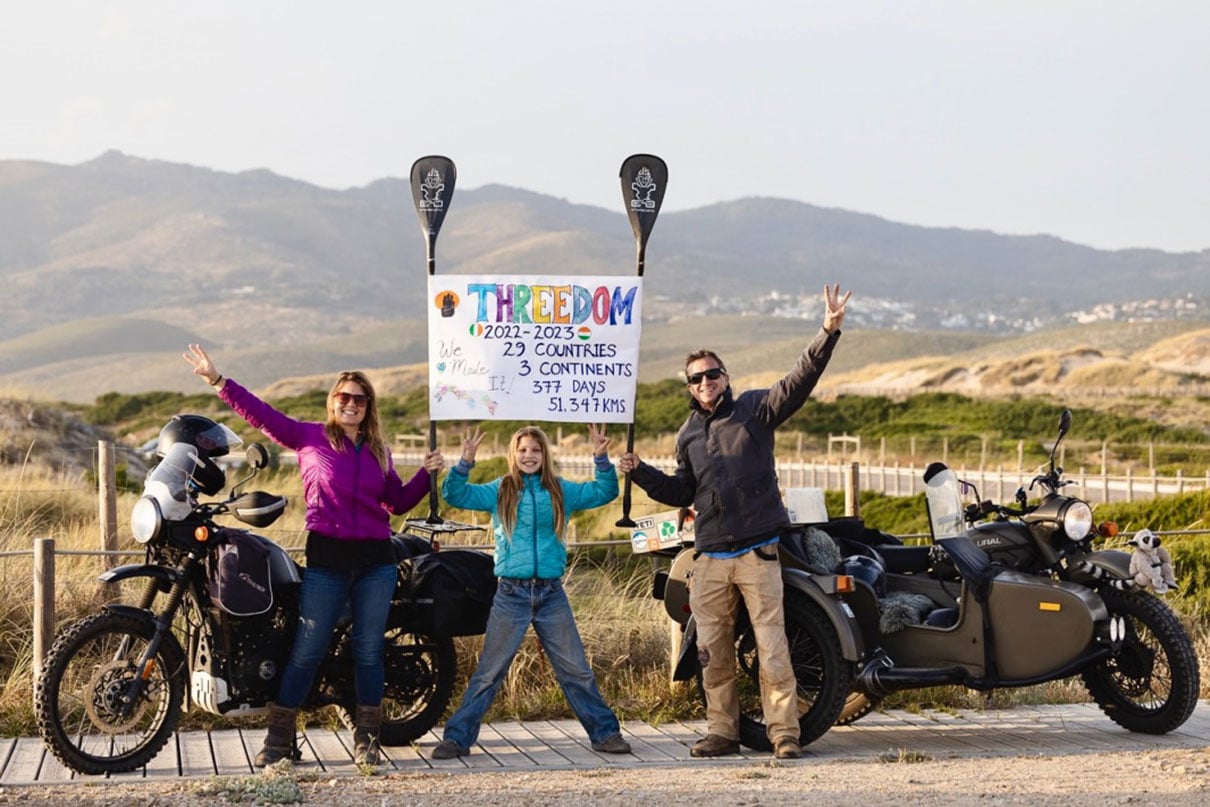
x: 992, y: 628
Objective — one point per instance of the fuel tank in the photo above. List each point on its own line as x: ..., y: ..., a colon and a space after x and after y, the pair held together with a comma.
x: 1008, y: 543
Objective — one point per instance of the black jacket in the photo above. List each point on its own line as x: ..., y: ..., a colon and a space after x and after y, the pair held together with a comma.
x: 725, y: 462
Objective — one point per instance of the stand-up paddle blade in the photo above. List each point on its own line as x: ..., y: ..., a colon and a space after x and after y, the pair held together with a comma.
x: 432, y: 191
x: 644, y: 178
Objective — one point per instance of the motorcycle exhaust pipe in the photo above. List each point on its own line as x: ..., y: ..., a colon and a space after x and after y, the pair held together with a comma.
x: 880, y: 677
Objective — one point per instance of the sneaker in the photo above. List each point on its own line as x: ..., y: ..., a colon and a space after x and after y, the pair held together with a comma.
x: 714, y: 745
x: 448, y: 749
x: 612, y: 745
x: 787, y: 748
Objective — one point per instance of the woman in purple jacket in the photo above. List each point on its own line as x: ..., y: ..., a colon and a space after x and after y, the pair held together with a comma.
x: 351, y: 488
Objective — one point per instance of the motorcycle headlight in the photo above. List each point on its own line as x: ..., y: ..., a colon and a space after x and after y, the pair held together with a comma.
x: 1077, y: 520
x: 146, y: 519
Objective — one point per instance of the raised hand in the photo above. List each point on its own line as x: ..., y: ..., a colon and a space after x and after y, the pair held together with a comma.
x: 202, y: 365
x: 470, y: 443
x: 600, y: 443
x: 834, y: 307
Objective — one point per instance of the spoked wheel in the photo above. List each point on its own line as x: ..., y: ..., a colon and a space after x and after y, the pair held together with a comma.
x: 420, y: 674
x: 824, y: 677
x: 93, y: 711
x: 856, y: 706
x: 1151, y: 684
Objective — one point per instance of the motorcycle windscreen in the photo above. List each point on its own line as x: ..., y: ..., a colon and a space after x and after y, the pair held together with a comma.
x: 943, y: 496
x: 168, y: 481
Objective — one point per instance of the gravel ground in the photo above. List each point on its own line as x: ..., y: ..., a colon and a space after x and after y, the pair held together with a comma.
x: 1176, y: 777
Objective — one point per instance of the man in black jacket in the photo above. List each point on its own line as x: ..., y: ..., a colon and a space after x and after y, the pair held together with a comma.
x: 725, y: 470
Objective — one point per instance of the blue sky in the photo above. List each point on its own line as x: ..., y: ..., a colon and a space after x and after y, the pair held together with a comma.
x: 1085, y: 120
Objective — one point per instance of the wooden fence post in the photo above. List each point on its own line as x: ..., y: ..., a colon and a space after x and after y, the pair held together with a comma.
x: 44, y: 600
x: 852, y: 491
x: 107, y: 502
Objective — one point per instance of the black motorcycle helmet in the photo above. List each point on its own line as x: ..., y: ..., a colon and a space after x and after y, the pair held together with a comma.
x: 867, y: 569
x: 211, y: 439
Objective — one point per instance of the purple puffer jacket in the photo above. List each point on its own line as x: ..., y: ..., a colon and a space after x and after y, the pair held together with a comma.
x: 348, y: 495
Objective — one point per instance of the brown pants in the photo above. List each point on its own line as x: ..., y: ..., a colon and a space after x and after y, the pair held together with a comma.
x: 714, y: 596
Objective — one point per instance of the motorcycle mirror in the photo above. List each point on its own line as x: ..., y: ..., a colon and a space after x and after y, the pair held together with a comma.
x: 1064, y: 426
x: 256, y: 456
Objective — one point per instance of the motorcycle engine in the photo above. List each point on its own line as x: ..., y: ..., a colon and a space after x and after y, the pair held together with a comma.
x: 260, y: 647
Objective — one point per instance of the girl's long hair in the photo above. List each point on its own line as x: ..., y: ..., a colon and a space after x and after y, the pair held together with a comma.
x: 370, y: 431
x: 511, y: 484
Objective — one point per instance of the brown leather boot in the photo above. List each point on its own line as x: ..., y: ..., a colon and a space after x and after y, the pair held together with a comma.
x: 279, y: 742
x: 365, y: 736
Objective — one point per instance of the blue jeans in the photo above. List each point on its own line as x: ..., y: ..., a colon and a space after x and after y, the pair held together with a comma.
x: 326, y: 596
x: 542, y: 603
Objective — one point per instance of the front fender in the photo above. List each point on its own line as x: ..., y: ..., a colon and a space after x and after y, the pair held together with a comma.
x: 821, y: 589
x: 132, y: 612
x: 133, y: 570
x: 1114, y: 561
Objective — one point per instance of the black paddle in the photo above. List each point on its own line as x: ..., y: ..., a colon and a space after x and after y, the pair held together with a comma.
x: 644, y: 178
x: 432, y: 190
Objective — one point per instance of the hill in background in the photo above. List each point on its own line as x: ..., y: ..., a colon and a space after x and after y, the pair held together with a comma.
x: 111, y: 267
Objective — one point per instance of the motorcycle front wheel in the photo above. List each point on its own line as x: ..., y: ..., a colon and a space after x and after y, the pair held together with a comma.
x: 1151, y: 684
x: 823, y: 676
x: 81, y: 699
x: 420, y: 675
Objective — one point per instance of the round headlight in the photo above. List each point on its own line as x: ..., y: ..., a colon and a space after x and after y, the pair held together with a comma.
x: 1077, y: 520
x: 145, y: 519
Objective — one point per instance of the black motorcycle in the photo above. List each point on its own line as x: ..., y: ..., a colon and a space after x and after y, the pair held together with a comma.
x: 215, y: 624
x: 1017, y: 600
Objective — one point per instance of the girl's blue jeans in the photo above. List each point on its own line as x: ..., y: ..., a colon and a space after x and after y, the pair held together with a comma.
x: 543, y: 604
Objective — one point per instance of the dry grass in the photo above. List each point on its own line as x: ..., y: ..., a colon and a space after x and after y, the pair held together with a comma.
x: 624, y: 630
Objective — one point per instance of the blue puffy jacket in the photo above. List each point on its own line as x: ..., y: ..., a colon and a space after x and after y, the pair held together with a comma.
x: 534, y: 550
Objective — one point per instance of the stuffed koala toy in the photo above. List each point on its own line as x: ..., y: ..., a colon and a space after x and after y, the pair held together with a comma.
x: 1151, y: 565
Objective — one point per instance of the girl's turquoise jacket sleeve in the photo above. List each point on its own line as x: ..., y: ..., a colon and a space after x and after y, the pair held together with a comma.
x: 459, y: 492
x: 603, y: 489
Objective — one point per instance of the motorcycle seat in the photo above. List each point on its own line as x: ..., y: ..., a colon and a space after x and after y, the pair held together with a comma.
x: 905, y: 559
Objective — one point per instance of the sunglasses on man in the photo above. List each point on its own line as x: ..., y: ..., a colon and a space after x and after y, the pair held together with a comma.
x: 346, y: 398
x: 714, y: 374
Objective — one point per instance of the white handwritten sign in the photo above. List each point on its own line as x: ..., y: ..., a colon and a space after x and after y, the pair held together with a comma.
x: 534, y: 347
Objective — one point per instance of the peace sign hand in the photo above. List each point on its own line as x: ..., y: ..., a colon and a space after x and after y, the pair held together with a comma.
x: 600, y: 443
x: 834, y: 307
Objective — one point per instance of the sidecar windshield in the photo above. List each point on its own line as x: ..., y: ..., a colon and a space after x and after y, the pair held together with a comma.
x: 943, y: 495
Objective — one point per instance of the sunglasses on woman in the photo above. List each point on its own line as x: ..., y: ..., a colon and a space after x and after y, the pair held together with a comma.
x: 346, y: 398
x: 714, y: 374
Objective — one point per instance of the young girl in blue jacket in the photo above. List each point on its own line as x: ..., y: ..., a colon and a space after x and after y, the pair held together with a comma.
x: 530, y: 507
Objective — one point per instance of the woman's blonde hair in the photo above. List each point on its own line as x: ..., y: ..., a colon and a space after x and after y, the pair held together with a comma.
x: 370, y: 431
x: 511, y: 484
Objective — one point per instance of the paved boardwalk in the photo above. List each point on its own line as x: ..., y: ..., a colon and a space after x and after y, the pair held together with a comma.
x: 561, y: 744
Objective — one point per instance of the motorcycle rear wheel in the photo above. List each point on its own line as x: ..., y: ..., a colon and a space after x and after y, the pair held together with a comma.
x: 824, y: 678
x: 420, y: 675
x: 1151, y: 685
x: 78, y: 699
